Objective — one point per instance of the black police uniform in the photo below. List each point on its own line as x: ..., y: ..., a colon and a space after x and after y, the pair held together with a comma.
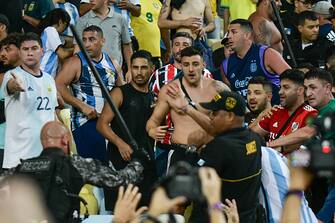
x: 236, y: 155
x: 59, y: 176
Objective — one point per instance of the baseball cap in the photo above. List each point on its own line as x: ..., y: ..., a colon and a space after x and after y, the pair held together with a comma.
x: 4, y: 20
x: 228, y: 101
x: 324, y: 8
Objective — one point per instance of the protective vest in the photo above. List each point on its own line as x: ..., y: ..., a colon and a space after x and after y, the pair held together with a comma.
x: 58, y: 180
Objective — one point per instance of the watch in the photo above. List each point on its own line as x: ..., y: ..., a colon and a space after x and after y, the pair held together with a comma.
x: 296, y: 192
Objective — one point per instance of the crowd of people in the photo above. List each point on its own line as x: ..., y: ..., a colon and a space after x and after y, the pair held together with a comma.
x: 229, y: 89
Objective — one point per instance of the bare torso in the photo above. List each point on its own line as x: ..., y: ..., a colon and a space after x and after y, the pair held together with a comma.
x: 183, y: 124
x: 191, y: 8
x: 275, y: 38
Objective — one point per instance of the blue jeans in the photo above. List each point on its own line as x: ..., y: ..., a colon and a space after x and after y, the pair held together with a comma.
x: 326, y: 213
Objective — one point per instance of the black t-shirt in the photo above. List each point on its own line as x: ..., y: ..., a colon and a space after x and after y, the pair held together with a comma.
x: 236, y: 156
x: 136, y: 110
x: 314, y: 54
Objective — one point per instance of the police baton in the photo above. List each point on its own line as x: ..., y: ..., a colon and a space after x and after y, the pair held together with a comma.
x: 132, y: 143
x: 282, y: 30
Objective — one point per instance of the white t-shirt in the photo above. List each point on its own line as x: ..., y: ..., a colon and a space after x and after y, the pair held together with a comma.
x: 50, y: 42
x: 26, y: 113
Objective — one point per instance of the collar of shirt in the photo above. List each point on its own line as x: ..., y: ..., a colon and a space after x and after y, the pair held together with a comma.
x: 110, y: 13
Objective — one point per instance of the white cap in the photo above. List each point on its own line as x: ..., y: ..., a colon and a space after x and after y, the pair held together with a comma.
x: 323, y: 8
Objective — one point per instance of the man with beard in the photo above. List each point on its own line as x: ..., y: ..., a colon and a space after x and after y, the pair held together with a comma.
x: 293, y: 114
x: 250, y: 60
x: 134, y: 101
x: 172, y: 71
x: 86, y: 98
x: 265, y: 30
x: 197, y: 88
x: 10, y: 58
x: 258, y: 98
x: 164, y: 75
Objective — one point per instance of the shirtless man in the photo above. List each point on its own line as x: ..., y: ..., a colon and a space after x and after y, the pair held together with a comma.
x: 187, y: 17
x: 264, y: 29
x: 198, y: 88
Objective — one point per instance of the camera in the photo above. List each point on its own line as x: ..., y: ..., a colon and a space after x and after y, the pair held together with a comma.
x: 183, y: 180
x: 318, y: 154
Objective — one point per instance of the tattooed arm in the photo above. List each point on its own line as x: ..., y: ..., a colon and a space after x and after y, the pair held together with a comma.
x: 262, y: 31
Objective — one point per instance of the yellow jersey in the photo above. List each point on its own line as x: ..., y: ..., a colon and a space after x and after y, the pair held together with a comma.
x: 241, y: 9
x: 146, y: 28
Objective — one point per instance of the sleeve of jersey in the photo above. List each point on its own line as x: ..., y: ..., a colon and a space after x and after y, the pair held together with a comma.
x: 94, y: 172
x: 53, y: 40
x: 135, y: 2
x: 264, y: 123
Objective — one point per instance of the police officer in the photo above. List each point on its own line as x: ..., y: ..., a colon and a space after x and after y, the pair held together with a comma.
x: 234, y: 152
x: 61, y: 176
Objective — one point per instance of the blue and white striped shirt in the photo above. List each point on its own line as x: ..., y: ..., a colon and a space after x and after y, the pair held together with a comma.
x: 73, y: 12
x: 87, y: 88
x: 275, y: 183
x: 50, y: 42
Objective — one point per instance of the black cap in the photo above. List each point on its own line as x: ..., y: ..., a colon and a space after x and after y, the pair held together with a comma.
x: 4, y: 20
x: 228, y: 101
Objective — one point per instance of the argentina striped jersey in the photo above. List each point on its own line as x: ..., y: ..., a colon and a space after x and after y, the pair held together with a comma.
x: 275, y: 183
x: 87, y: 88
x: 73, y: 13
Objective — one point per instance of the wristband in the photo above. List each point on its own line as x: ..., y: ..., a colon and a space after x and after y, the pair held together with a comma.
x: 299, y: 193
x: 217, y: 206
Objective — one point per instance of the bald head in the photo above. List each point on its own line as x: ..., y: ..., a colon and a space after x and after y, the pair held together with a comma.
x: 55, y: 134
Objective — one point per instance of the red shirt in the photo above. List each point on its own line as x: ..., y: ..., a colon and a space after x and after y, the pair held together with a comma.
x: 275, y: 123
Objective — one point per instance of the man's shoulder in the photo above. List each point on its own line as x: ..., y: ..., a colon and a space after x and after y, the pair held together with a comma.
x: 165, y: 68
x: 256, y: 18
x: 280, y: 113
x: 50, y: 29
x: 330, y: 107
x: 308, y: 108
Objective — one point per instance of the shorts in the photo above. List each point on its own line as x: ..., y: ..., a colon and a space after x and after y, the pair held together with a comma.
x: 89, y: 142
